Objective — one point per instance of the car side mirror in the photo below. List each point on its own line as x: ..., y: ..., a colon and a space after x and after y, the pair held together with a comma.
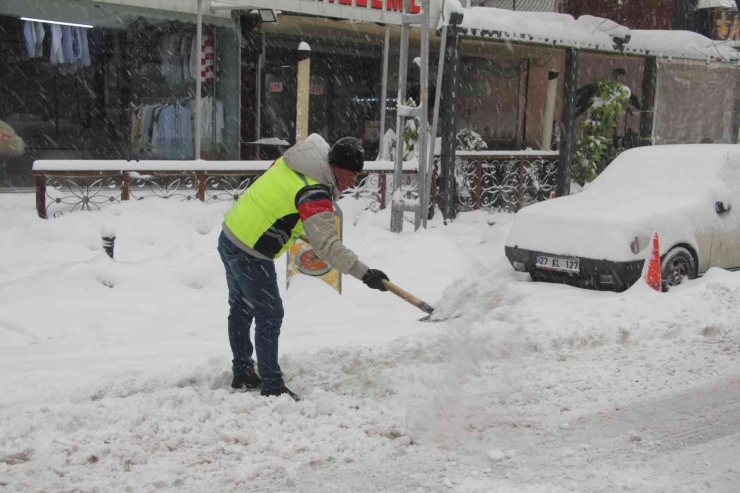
x: 722, y: 208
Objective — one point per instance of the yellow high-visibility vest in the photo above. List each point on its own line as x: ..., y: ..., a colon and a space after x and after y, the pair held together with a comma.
x: 265, y: 218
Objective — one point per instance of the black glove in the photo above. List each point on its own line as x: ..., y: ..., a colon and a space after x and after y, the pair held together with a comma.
x: 374, y: 279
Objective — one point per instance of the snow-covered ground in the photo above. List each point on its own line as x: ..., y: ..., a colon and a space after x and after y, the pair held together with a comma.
x: 114, y: 375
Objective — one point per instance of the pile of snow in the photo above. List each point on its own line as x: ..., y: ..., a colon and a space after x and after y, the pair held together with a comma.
x: 114, y: 374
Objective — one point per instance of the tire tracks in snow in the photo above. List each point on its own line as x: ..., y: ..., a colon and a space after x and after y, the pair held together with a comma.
x: 646, y: 436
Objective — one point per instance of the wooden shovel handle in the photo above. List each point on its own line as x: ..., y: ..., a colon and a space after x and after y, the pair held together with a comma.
x: 405, y: 295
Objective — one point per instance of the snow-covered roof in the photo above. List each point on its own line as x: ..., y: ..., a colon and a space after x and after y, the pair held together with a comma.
x: 713, y: 4
x: 590, y: 33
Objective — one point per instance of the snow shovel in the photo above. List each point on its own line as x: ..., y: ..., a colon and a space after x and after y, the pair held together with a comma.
x: 405, y: 295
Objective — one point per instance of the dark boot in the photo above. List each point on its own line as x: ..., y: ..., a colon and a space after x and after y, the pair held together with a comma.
x: 248, y: 381
x: 279, y: 392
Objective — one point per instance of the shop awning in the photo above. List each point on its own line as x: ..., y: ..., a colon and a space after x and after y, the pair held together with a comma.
x: 714, y: 4
x: 591, y: 34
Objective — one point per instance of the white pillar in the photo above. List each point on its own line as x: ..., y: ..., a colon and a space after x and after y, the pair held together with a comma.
x: 304, y: 83
x: 198, y: 82
x: 384, y: 91
x: 552, y: 92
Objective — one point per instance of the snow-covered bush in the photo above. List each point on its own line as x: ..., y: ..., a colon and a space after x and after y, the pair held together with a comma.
x: 606, y: 105
x: 410, y: 136
x: 467, y: 140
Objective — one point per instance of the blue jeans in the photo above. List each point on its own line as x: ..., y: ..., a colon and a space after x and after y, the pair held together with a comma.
x: 253, y: 294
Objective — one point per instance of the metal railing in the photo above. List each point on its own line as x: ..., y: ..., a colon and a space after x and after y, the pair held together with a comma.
x: 504, y: 181
x: 494, y: 181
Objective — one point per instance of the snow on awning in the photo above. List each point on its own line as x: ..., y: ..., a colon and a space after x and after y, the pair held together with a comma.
x: 590, y: 33
x: 714, y: 4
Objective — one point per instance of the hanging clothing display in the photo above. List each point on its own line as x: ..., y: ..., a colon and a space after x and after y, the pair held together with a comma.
x: 85, y: 59
x: 207, y: 61
x: 209, y: 120
x: 57, y: 51
x: 69, y: 45
x: 40, y: 35
x: 175, y: 53
x: 165, y: 128
x: 33, y: 36
x: 29, y: 36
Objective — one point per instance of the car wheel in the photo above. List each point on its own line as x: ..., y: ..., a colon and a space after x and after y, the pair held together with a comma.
x: 677, y: 265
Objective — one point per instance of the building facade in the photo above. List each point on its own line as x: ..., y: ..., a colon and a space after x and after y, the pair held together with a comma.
x: 120, y: 83
x: 715, y: 19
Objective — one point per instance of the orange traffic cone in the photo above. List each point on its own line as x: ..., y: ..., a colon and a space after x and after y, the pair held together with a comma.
x: 552, y: 195
x: 653, y: 272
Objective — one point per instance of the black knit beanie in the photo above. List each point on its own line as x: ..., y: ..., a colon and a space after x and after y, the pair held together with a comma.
x: 347, y: 153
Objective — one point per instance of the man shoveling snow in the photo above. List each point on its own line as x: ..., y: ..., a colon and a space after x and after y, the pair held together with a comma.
x: 294, y: 196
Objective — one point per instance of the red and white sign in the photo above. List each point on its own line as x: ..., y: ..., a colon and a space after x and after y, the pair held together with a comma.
x: 380, y: 11
x: 389, y: 5
x: 316, y: 89
x: 276, y: 87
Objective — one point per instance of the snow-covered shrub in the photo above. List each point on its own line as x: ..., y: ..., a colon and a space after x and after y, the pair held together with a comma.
x: 607, y: 104
x: 410, y: 136
x: 467, y: 140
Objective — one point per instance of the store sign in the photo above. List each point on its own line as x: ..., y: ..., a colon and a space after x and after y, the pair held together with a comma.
x: 276, y: 87
x: 316, y: 89
x: 389, y: 5
x: 380, y: 11
x: 303, y: 260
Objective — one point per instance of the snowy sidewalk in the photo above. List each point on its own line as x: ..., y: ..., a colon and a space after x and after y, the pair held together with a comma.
x: 528, y: 388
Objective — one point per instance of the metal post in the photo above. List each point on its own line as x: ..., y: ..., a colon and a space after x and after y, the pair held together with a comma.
x: 41, y: 195
x: 198, y: 81
x: 421, y: 216
x: 304, y: 81
x: 258, y: 109
x: 736, y: 116
x: 240, y: 77
x: 396, y: 212
x: 649, y: 91
x: 384, y: 90
x: 448, y: 111
x: 213, y: 96
x: 435, y: 122
x: 108, y: 235
x: 568, y: 137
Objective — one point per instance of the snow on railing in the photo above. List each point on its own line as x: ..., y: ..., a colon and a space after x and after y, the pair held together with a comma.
x: 501, y: 180
x: 504, y: 181
x: 64, y: 186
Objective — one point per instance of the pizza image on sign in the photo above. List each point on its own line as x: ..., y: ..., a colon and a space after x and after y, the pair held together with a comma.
x: 302, y: 259
x: 309, y: 263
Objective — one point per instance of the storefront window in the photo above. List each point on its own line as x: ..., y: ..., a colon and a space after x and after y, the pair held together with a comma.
x: 695, y: 103
x: 344, y: 94
x: 121, y: 85
x: 490, y: 101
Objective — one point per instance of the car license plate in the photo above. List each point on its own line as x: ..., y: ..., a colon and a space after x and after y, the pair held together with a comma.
x: 571, y: 265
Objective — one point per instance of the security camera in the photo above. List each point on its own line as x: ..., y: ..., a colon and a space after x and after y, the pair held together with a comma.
x: 620, y: 41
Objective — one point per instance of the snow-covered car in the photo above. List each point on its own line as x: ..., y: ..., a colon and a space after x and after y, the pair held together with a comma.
x: 600, y: 237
